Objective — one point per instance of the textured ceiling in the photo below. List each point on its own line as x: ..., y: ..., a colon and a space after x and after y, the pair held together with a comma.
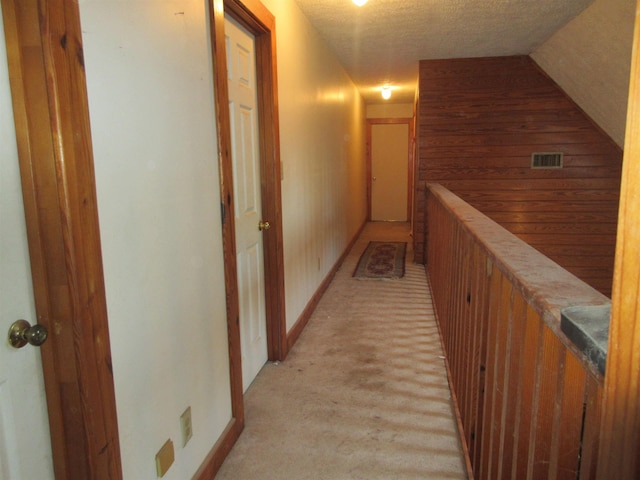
x: 383, y: 41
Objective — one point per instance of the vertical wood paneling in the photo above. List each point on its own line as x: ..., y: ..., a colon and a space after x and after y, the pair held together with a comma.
x: 479, y: 122
x: 525, y: 414
x: 453, y: 285
x: 480, y: 353
x: 591, y: 433
x: 520, y: 392
x: 570, y: 421
x: 513, y: 381
x: 466, y: 312
x: 546, y: 397
x: 490, y: 372
x: 460, y: 313
x: 472, y: 361
x: 500, y: 376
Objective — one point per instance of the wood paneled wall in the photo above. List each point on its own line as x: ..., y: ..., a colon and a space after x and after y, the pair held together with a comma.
x: 479, y: 122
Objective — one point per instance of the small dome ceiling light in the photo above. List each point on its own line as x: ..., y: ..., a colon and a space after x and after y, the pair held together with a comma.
x: 386, y: 92
x: 360, y: 2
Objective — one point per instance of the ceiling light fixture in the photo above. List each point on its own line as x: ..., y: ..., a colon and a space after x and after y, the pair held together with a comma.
x: 386, y: 92
x: 360, y: 2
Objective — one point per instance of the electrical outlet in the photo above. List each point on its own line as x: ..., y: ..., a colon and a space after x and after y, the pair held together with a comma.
x: 185, y: 426
x: 164, y: 458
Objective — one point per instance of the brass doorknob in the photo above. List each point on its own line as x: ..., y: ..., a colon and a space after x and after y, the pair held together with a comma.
x: 264, y: 226
x: 21, y: 332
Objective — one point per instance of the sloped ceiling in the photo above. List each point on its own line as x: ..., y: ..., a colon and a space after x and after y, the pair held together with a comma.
x: 382, y: 41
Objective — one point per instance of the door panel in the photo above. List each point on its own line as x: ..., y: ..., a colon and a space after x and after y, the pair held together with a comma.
x: 389, y: 172
x: 25, y: 448
x: 243, y: 106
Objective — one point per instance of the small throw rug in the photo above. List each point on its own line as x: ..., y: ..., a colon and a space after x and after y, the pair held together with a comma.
x: 382, y: 260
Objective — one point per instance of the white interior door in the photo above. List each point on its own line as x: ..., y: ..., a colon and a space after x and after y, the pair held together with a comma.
x: 243, y: 105
x: 25, y: 448
x: 389, y: 171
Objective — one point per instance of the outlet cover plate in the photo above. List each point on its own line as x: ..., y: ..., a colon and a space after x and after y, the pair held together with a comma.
x: 186, y: 426
x: 164, y: 458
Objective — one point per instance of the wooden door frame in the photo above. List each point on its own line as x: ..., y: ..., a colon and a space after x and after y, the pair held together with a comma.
x: 253, y: 16
x: 258, y: 20
x: 51, y: 115
x: 619, y: 437
x: 410, y: 160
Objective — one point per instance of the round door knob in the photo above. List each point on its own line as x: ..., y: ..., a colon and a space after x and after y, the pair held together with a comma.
x: 264, y: 226
x: 21, y: 332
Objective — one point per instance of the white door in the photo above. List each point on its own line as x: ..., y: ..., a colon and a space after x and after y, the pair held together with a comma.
x: 389, y: 171
x: 243, y: 105
x: 25, y: 448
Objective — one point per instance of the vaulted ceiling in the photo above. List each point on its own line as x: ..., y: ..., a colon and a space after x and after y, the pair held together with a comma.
x: 382, y: 41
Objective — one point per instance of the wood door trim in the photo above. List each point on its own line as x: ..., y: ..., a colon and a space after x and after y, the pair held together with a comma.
x: 219, y: 63
x: 259, y: 21
x: 410, y: 159
x: 619, y: 440
x: 51, y: 113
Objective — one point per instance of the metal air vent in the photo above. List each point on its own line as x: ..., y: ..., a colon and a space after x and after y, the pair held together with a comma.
x: 546, y: 160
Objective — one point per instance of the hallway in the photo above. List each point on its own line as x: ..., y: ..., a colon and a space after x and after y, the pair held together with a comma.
x: 363, y: 394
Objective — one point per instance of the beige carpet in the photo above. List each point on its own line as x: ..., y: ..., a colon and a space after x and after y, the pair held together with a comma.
x: 363, y: 394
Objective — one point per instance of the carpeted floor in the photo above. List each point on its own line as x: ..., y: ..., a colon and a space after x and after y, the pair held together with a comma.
x: 363, y: 394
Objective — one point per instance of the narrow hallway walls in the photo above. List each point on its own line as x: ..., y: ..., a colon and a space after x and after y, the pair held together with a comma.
x: 322, y: 148
x: 151, y: 102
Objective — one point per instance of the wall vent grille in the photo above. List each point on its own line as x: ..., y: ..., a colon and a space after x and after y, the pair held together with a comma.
x: 546, y: 160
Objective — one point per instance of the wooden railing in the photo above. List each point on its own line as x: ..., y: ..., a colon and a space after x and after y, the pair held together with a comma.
x: 529, y: 402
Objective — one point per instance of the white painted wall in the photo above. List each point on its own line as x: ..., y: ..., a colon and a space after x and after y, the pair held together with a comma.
x: 322, y: 140
x: 390, y: 110
x: 154, y: 137
x: 590, y: 58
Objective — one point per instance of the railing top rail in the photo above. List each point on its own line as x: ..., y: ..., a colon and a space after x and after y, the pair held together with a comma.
x: 544, y: 284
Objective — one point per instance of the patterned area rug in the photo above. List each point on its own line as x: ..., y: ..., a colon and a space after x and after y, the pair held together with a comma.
x: 382, y: 260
